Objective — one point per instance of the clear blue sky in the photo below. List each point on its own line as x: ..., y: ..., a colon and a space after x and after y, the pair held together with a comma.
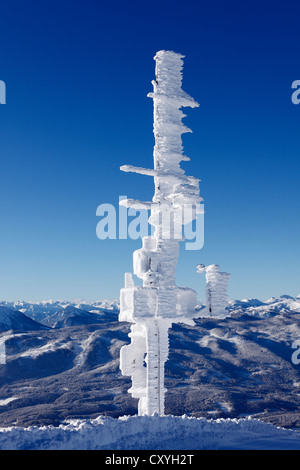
x: 77, y: 76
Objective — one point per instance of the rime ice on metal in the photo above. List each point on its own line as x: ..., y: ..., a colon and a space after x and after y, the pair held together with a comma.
x: 154, y: 306
x: 216, y: 290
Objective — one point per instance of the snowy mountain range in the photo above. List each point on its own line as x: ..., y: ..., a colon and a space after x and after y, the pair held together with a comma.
x: 39, y: 311
x: 274, y: 305
x: 71, y: 316
x: 62, y: 362
x: 50, y: 312
x: 12, y: 319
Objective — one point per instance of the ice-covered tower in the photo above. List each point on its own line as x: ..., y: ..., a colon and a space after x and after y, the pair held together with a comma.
x: 154, y: 306
x: 216, y: 290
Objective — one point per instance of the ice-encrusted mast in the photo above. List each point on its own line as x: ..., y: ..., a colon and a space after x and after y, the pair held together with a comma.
x: 216, y: 290
x: 154, y: 306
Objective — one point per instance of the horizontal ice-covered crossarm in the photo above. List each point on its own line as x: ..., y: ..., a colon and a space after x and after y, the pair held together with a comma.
x: 138, y: 169
x: 175, y: 303
x: 136, y: 204
x: 178, y: 177
x: 182, y: 100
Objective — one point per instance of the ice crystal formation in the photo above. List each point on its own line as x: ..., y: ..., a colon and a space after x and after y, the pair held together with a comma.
x: 154, y: 306
x: 216, y: 290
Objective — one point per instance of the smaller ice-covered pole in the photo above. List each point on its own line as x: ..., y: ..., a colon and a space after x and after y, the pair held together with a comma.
x: 216, y: 290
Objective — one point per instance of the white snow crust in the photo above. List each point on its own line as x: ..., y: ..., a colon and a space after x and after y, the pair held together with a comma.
x: 151, y: 433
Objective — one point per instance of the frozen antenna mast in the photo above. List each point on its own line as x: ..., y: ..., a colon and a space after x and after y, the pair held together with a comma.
x: 153, y: 307
x: 216, y: 290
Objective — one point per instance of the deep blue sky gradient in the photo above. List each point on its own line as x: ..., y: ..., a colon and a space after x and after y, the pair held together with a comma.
x: 77, y: 76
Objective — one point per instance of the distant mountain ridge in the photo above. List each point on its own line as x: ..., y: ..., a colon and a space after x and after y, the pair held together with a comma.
x: 14, y: 320
x: 274, y: 305
x: 40, y: 310
x: 59, y: 313
x: 72, y: 316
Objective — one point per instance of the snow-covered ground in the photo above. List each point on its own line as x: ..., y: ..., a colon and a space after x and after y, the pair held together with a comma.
x: 151, y: 433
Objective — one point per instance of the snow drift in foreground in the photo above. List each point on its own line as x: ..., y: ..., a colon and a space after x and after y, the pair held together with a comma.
x: 151, y: 433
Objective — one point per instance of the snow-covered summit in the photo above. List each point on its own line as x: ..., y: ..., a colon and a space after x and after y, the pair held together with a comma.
x: 11, y: 319
x: 40, y: 311
x: 151, y: 433
x: 71, y: 316
x: 271, y: 306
